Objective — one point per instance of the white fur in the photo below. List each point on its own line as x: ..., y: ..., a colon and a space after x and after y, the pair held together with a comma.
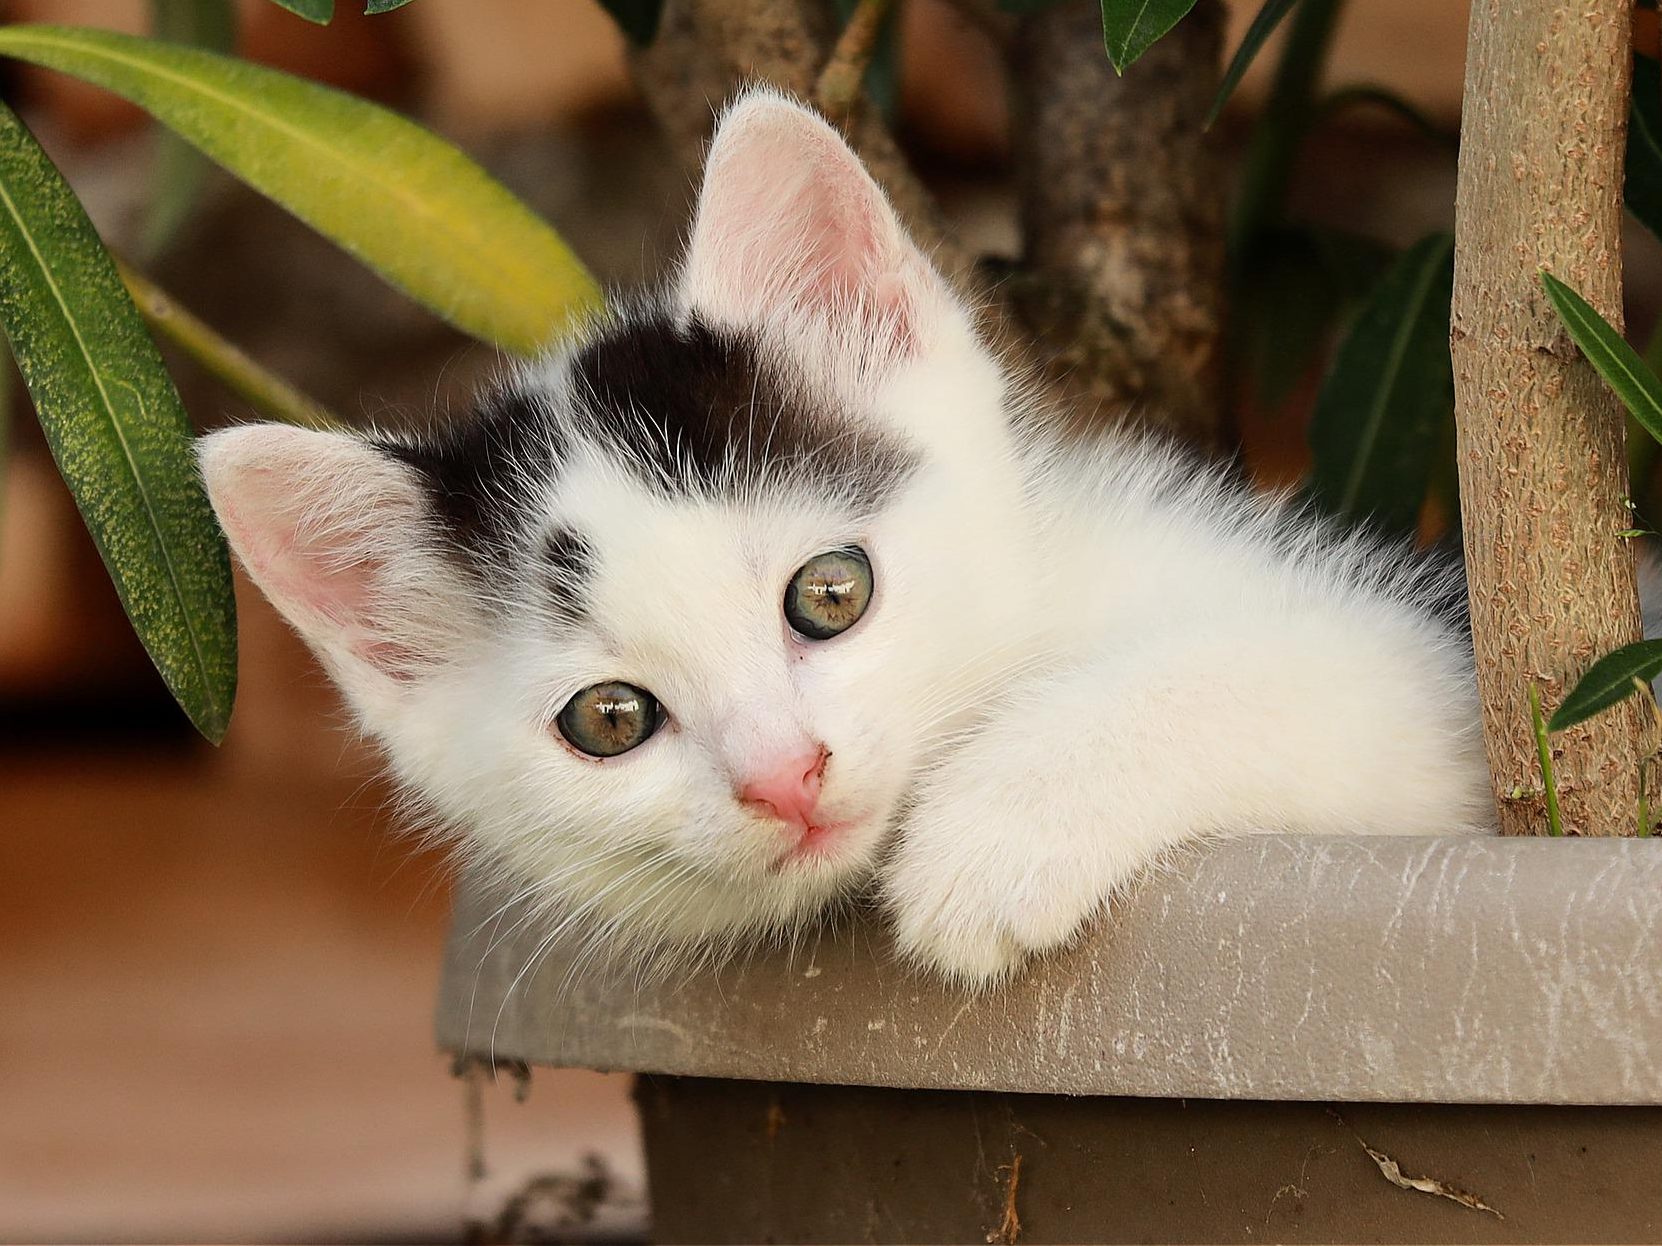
x: 1079, y: 654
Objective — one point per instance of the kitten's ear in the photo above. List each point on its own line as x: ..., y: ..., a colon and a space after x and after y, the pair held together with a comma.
x: 338, y: 535
x: 790, y: 221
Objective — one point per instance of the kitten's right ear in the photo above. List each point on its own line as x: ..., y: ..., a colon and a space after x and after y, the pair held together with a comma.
x: 338, y: 535
x: 790, y: 222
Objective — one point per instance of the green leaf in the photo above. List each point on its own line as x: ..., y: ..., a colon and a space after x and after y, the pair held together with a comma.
x: 116, y: 429
x: 638, y: 19
x: 1132, y: 27
x: 1617, y: 362
x: 1297, y: 284
x: 1361, y: 94
x: 319, y: 11
x: 401, y: 200
x: 1608, y: 682
x: 177, y: 169
x: 1643, y: 188
x: 1269, y: 17
x: 384, y: 6
x: 1375, y: 430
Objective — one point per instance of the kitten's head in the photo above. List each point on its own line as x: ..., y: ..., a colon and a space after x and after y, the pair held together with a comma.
x: 671, y: 625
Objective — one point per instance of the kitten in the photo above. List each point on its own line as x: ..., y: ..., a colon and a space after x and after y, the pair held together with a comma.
x: 772, y: 589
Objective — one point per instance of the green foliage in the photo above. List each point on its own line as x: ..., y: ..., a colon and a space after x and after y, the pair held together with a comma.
x: 638, y: 19
x: 398, y: 198
x: 1269, y: 17
x: 1366, y: 94
x: 178, y: 170
x: 320, y: 11
x: 323, y: 11
x: 116, y: 429
x: 1617, y: 362
x: 1389, y: 395
x: 1543, y: 753
x: 1296, y: 284
x: 1131, y: 27
x: 1289, y: 112
x: 1643, y: 189
x: 1609, y: 681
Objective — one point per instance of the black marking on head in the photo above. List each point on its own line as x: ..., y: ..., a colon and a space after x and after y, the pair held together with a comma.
x: 481, y: 472
x: 567, y: 563
x: 697, y: 409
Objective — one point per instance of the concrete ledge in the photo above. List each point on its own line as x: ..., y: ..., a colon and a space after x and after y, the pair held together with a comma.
x: 1271, y: 967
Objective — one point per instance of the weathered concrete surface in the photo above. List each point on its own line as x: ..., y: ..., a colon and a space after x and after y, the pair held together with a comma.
x: 1272, y: 967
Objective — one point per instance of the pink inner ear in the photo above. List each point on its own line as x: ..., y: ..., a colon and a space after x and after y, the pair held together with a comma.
x: 790, y: 221
x: 298, y: 511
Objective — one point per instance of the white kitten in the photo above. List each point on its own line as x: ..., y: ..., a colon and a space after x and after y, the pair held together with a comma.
x: 787, y: 550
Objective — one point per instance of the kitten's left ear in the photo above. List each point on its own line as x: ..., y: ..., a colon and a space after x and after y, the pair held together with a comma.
x: 338, y: 535
x: 789, y: 222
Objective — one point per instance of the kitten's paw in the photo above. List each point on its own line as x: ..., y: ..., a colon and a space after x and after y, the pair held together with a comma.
x: 972, y: 910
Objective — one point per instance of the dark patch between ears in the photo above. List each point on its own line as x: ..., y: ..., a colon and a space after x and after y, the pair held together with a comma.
x: 686, y: 408
x: 694, y: 409
x: 567, y: 562
x: 485, y: 471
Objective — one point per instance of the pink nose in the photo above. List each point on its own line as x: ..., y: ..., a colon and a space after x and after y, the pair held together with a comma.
x: 790, y: 791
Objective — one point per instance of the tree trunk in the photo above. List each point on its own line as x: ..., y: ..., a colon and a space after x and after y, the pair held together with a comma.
x: 707, y: 49
x: 1543, y: 472
x: 1120, y: 288
x: 1121, y: 281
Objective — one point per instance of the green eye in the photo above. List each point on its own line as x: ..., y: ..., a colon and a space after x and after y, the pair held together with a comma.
x: 606, y: 719
x: 829, y: 593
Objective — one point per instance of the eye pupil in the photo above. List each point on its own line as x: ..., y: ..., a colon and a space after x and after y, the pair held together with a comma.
x: 829, y: 593
x: 607, y: 719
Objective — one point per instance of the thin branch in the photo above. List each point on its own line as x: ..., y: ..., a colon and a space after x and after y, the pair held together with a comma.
x: 264, y: 391
x: 838, y: 88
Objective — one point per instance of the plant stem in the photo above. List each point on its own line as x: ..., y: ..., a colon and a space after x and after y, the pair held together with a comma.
x: 839, y: 82
x: 264, y: 391
x: 1543, y: 749
x: 1644, y: 804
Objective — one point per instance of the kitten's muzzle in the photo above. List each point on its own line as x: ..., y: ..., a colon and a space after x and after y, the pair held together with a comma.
x: 788, y: 790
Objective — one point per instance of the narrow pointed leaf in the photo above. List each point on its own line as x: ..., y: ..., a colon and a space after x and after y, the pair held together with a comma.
x: 1608, y: 682
x: 1381, y: 411
x: 397, y: 197
x: 116, y: 429
x: 1132, y: 27
x: 1269, y: 17
x: 319, y: 11
x: 1643, y: 188
x: 1617, y: 362
x: 638, y: 19
x: 177, y: 169
x: 384, y: 6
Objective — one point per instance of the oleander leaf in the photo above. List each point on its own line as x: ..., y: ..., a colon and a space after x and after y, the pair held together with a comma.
x: 1608, y: 682
x: 1618, y: 363
x: 1263, y: 25
x: 400, y: 199
x: 319, y: 11
x: 116, y: 428
x: 1378, y: 419
x: 178, y: 170
x: 1132, y: 27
